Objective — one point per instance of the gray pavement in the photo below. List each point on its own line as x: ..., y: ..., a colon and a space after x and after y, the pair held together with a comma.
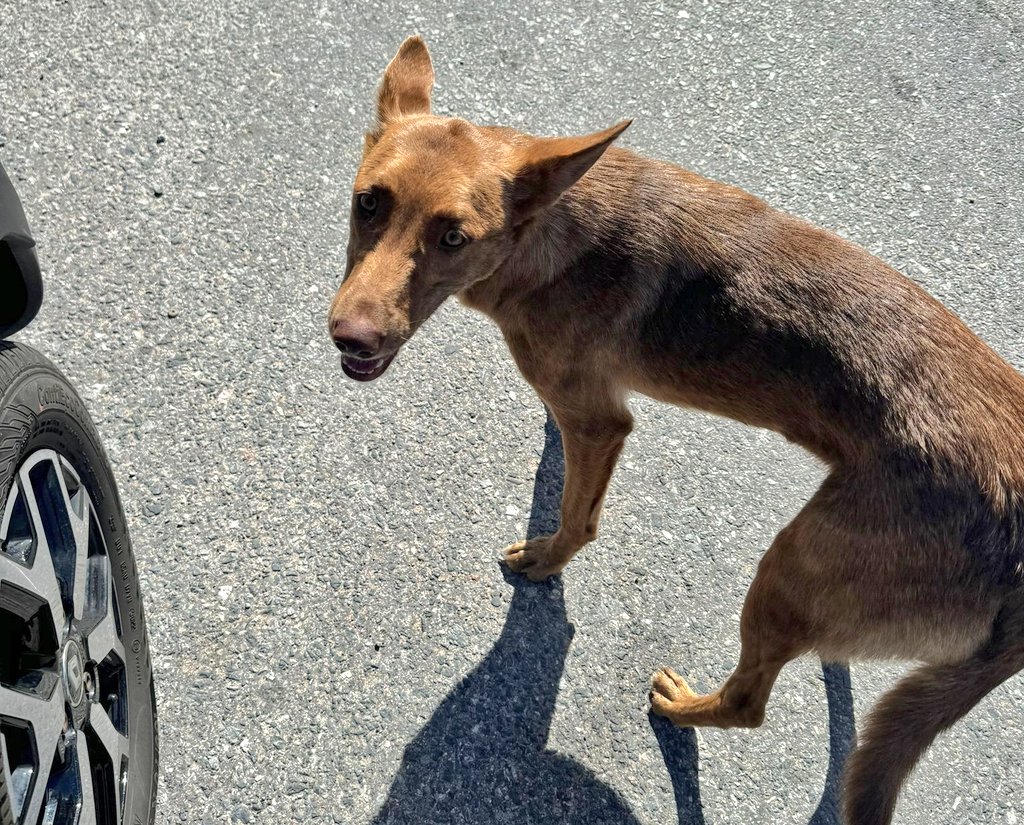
x: 333, y: 638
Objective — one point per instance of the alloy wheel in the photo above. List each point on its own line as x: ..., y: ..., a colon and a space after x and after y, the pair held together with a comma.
x: 64, y: 715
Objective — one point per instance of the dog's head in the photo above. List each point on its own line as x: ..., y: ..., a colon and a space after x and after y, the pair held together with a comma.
x: 436, y: 207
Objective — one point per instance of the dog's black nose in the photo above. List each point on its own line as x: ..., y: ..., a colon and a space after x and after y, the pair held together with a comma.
x: 356, y: 337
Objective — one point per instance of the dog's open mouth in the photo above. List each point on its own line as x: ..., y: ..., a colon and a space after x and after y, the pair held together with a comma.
x: 360, y: 370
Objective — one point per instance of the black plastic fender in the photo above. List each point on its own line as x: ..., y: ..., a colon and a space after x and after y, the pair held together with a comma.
x: 21, y: 283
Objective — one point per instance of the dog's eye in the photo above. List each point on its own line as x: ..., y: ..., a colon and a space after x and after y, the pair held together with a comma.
x: 453, y: 239
x: 367, y: 203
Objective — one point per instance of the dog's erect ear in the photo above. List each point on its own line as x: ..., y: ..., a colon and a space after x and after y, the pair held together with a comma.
x: 546, y: 167
x: 405, y: 87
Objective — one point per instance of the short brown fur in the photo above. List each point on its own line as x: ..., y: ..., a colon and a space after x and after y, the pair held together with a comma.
x: 609, y: 273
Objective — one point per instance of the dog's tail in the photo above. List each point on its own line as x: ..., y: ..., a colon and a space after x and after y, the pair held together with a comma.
x: 923, y: 704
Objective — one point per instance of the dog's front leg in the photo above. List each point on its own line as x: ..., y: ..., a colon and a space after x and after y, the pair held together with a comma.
x: 592, y: 445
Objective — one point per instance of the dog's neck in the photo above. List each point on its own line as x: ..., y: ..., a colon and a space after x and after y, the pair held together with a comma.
x: 585, y: 218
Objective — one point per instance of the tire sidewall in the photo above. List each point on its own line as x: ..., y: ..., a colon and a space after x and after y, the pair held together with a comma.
x: 41, y: 410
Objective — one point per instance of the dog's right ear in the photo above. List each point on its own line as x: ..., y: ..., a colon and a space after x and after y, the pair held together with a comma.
x: 405, y: 87
x: 546, y: 167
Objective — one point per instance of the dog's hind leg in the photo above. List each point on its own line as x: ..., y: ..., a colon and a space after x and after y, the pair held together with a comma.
x: 772, y: 631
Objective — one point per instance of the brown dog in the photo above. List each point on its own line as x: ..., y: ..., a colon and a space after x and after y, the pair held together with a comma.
x: 609, y: 273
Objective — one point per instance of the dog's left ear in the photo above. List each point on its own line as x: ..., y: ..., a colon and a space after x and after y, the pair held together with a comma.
x: 546, y: 167
x: 405, y: 87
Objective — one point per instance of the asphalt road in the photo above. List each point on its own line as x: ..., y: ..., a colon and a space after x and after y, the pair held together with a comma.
x: 334, y: 640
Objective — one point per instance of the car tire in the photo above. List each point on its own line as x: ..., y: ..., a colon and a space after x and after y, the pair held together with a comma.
x: 73, y: 637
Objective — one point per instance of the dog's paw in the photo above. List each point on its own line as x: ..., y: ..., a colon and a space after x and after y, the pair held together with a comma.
x: 535, y: 558
x: 669, y: 693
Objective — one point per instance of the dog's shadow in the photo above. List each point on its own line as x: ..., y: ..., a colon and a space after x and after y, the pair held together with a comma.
x: 482, y: 756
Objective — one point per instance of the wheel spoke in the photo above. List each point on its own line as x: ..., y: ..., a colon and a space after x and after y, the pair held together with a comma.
x: 101, y: 638
x: 47, y: 720
x: 5, y: 772
x: 41, y: 578
x: 88, y: 813
x: 78, y: 515
x: 113, y: 743
x: 45, y: 715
